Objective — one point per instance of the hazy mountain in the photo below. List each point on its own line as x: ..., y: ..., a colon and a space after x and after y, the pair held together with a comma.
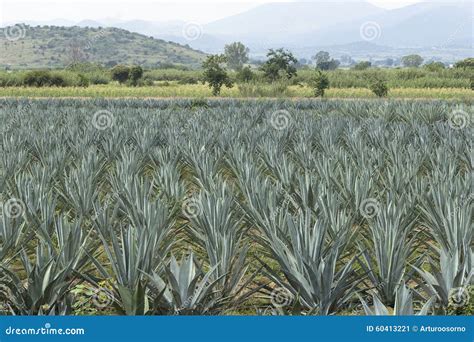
x: 307, y: 26
x: 419, y: 25
x: 435, y: 28
x: 51, y: 47
x: 291, y: 17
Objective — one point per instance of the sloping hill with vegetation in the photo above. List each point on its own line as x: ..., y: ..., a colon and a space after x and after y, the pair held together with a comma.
x: 29, y: 47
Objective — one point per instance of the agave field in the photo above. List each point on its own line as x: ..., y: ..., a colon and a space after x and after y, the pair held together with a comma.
x: 200, y: 207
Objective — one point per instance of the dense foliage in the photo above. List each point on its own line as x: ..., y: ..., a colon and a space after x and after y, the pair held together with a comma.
x: 224, y: 207
x: 215, y: 74
x: 280, y: 64
x: 429, y: 77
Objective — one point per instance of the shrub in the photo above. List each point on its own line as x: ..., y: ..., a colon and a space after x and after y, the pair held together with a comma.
x: 379, y: 87
x: 245, y: 74
x: 83, y: 81
x: 320, y: 84
x: 43, y: 78
x: 120, y: 73
x: 99, y: 78
x: 465, y: 63
x: 434, y: 66
x: 135, y: 74
x: 362, y: 65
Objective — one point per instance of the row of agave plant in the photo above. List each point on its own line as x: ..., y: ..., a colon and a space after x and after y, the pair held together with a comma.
x: 188, y: 207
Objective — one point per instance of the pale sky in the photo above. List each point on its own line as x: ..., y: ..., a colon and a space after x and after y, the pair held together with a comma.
x: 156, y: 10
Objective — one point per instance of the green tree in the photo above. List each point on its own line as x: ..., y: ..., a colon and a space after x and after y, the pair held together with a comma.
x: 237, y: 55
x: 281, y: 63
x: 320, y: 83
x: 120, y: 73
x: 215, y: 74
x: 324, y: 61
x: 412, y: 61
x: 465, y: 63
x: 346, y: 59
x: 135, y: 74
x: 321, y: 57
x: 363, y: 65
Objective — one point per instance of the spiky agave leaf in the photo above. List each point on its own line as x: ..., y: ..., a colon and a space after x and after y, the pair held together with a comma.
x: 386, y: 252
x: 218, y: 228
x: 311, y: 263
x: 45, y: 288
x: 403, y: 305
x: 185, y: 289
x: 134, y: 250
x: 445, y: 276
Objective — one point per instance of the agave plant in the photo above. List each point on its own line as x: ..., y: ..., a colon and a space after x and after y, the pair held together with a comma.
x: 218, y: 228
x: 447, y: 211
x: 387, y: 250
x: 62, y: 253
x: 444, y: 279
x: 10, y: 236
x: 80, y: 188
x: 133, y: 250
x: 101, y: 202
x: 45, y: 290
x: 311, y: 263
x: 185, y: 290
x: 403, y: 305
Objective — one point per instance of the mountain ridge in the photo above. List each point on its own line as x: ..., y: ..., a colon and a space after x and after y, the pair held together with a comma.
x: 57, y: 46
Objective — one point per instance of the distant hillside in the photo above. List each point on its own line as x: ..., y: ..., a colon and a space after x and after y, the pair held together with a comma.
x: 54, y: 47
